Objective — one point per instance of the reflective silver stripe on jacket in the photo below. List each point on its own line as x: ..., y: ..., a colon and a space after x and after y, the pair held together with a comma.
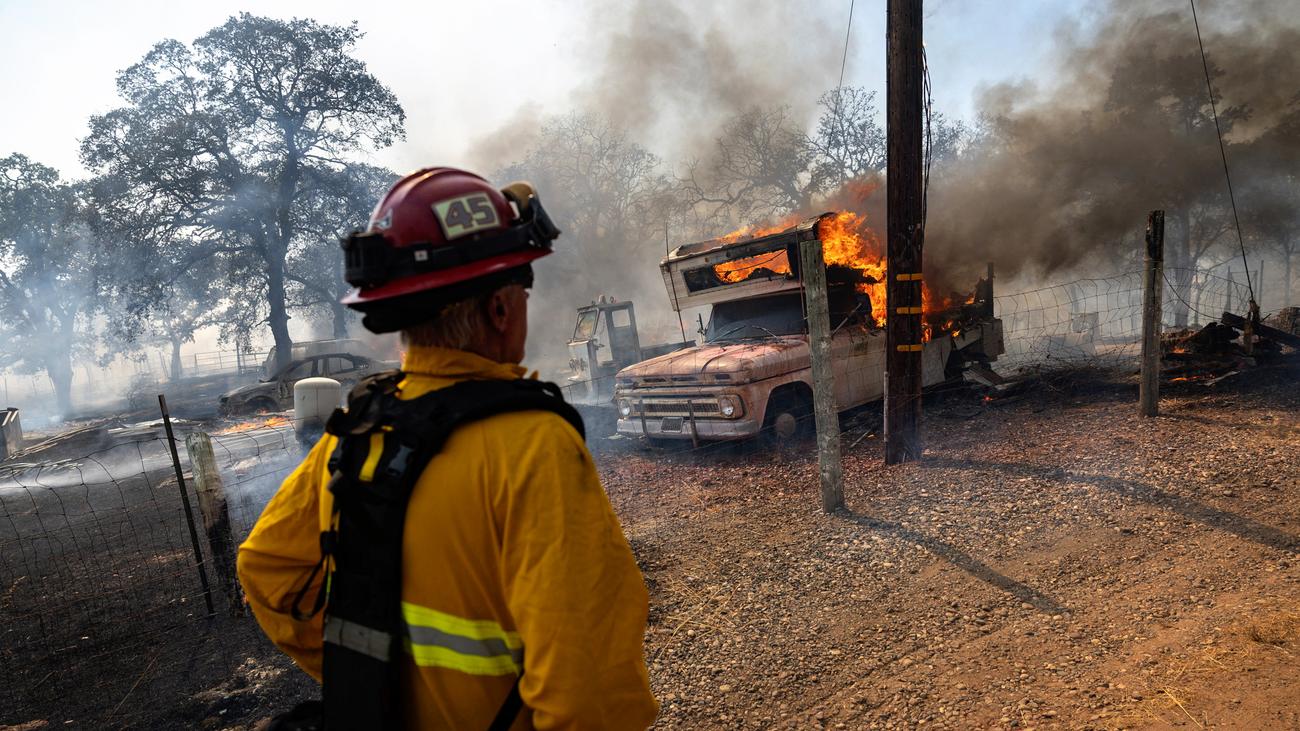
x: 358, y: 637
x: 486, y: 647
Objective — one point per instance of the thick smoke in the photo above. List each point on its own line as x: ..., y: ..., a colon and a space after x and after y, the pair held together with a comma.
x: 666, y: 78
x: 1066, y: 174
x: 672, y: 73
x: 1052, y: 180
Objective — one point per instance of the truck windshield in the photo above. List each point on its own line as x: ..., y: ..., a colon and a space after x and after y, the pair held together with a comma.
x: 782, y: 314
x: 587, y: 322
x: 756, y: 318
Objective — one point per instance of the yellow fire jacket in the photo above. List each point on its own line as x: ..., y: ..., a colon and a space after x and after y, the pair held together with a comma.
x: 511, y: 550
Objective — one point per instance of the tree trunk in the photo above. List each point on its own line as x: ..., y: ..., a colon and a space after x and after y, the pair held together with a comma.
x: 279, y: 248
x: 279, y: 312
x: 1183, y: 275
x: 176, y: 359
x: 1286, y: 276
x: 59, y: 369
x: 340, y: 313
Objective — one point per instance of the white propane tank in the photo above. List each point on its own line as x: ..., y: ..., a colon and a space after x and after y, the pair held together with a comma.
x: 314, y: 399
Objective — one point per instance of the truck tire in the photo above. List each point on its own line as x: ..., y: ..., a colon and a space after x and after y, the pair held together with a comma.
x: 789, y: 418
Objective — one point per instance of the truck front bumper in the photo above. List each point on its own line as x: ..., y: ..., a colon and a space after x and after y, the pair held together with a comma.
x: 678, y: 427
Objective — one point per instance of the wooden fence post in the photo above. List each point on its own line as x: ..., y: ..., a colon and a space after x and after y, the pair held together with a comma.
x: 1152, y: 291
x: 216, y: 516
x: 826, y: 416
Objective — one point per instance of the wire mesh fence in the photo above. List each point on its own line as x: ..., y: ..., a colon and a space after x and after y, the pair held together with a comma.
x: 1098, y: 322
x: 101, y: 605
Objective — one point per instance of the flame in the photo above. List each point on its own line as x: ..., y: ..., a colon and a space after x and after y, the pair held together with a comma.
x: 272, y: 422
x: 754, y: 232
x: 847, y: 241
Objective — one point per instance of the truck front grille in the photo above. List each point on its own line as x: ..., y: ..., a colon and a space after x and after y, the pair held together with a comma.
x: 702, y: 408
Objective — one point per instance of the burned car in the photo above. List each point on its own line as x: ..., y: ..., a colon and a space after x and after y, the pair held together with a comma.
x: 753, y: 371
x: 276, y: 393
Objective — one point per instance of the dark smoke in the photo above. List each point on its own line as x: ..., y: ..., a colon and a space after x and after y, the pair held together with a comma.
x: 1066, y: 174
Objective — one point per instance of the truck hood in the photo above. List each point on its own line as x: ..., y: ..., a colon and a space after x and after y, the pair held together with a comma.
x: 721, y: 363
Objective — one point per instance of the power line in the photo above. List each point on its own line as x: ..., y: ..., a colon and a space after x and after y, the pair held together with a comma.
x: 1223, y: 153
x: 844, y: 58
x: 839, y: 88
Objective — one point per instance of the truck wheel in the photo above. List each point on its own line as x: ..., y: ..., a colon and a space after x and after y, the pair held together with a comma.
x: 788, y: 418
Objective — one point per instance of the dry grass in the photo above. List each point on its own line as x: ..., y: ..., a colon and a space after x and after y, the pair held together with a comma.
x: 1175, y: 694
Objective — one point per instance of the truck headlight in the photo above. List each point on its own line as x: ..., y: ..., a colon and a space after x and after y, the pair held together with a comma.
x: 730, y: 407
x: 625, y: 407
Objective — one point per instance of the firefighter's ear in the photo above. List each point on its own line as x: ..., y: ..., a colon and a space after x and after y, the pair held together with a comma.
x: 496, y: 311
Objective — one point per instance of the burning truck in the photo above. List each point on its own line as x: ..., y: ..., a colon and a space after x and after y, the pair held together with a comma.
x: 752, y: 371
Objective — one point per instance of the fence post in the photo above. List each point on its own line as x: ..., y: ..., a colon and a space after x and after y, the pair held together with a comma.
x: 826, y: 416
x: 216, y: 516
x: 1152, y: 290
x: 1232, y: 286
x: 185, y: 500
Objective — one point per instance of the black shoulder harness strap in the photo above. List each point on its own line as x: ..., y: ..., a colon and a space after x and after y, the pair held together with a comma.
x: 384, y: 445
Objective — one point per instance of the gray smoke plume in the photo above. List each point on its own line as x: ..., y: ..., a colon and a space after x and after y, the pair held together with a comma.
x: 1064, y: 175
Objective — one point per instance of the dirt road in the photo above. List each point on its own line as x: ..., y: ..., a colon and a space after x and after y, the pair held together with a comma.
x: 1053, y: 562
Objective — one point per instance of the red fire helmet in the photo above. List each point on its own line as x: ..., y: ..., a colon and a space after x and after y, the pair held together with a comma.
x: 442, y: 228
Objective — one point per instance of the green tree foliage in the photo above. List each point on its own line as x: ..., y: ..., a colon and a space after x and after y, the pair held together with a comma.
x: 337, y: 202
x: 49, y: 273
x: 223, y: 144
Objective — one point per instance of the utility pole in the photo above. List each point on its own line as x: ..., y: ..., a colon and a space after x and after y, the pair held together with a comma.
x: 906, y: 233
x: 1152, y: 288
x: 826, y: 417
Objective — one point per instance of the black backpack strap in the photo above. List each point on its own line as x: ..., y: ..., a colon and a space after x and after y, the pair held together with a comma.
x: 385, y: 444
x: 509, y: 711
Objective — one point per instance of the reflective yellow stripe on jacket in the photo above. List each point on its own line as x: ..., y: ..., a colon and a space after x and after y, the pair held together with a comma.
x: 474, y: 646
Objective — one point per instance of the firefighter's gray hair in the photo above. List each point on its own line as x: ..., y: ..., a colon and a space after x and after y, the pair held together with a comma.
x: 456, y: 326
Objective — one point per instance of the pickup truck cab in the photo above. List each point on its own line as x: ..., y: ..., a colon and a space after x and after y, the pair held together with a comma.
x: 753, y: 369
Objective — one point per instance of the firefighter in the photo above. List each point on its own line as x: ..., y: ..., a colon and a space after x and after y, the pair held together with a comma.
x: 445, y: 556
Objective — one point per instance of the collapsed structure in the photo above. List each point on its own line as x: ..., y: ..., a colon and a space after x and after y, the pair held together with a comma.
x: 752, y: 371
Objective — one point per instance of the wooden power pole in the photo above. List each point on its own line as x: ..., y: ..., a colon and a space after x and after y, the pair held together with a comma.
x: 826, y: 416
x: 906, y: 234
x: 1153, y: 282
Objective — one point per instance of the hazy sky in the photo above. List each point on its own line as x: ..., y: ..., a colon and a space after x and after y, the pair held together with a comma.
x: 461, y: 69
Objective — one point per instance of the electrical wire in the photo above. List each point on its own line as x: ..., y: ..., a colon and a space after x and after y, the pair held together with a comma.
x: 1223, y: 153
x: 929, y: 138
x: 845, y: 57
x: 839, y: 87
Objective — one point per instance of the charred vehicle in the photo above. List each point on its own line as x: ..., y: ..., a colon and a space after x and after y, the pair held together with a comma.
x: 605, y: 340
x: 276, y: 393
x: 753, y: 371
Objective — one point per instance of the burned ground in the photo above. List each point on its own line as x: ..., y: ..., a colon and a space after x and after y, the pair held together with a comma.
x: 1052, y: 562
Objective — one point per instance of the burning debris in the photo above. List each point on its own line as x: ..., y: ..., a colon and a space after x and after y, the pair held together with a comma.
x: 277, y: 421
x: 1218, y: 350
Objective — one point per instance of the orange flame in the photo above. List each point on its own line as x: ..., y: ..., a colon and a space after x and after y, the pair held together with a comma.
x: 268, y: 423
x: 847, y: 241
